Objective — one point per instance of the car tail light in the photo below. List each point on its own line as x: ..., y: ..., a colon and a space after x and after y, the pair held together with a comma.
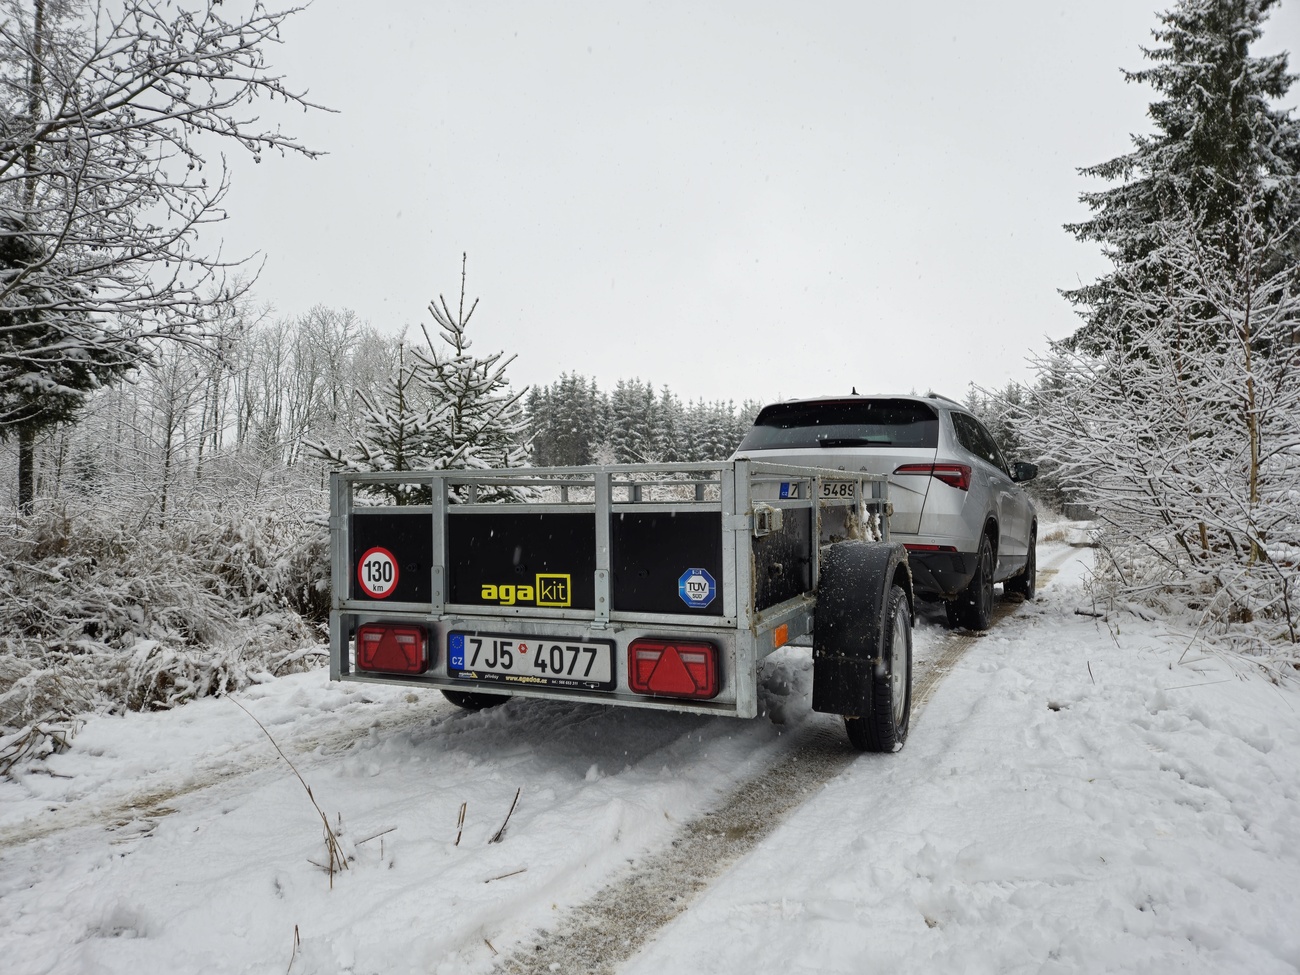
x: 673, y: 669
x: 918, y: 547
x: 392, y: 649
x: 954, y: 475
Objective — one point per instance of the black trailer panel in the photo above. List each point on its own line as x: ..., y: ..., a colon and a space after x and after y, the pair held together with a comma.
x: 405, y: 536
x: 652, y: 551
x: 520, y: 558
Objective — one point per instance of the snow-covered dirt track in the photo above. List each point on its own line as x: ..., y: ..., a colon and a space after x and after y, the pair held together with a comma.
x: 1070, y: 800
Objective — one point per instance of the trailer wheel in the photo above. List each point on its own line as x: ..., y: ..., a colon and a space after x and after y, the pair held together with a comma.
x: 884, y: 726
x: 471, y: 701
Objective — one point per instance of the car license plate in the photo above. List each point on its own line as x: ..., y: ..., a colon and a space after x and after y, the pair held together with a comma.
x: 536, y: 661
x: 839, y: 489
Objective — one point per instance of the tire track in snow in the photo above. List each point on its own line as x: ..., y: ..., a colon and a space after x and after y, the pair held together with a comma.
x: 596, y: 937
x: 150, y: 804
x: 607, y: 930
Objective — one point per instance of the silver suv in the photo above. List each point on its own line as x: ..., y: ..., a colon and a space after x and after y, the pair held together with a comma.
x: 958, y: 507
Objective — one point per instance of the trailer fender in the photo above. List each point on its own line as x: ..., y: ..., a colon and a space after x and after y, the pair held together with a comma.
x: 849, y: 621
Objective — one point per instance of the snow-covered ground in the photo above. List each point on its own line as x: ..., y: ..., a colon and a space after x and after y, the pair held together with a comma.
x: 1075, y: 797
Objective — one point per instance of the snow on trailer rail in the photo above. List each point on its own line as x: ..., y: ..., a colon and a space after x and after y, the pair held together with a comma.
x: 659, y: 586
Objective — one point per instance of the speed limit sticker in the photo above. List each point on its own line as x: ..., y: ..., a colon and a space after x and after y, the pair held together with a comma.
x: 377, y: 573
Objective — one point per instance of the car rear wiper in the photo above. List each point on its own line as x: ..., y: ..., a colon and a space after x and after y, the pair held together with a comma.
x: 850, y: 441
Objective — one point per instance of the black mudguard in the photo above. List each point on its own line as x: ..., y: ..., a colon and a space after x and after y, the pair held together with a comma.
x: 854, y: 586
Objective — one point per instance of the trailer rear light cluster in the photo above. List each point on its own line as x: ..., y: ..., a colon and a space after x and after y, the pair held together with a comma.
x: 673, y: 669
x: 392, y: 649
x: 954, y: 475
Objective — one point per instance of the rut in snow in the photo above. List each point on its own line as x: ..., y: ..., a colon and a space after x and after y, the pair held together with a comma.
x: 598, y: 936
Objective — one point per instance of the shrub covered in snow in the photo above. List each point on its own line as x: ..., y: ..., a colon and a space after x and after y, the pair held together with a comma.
x: 103, y: 609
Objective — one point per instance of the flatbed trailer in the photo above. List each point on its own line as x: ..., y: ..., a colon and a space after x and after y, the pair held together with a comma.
x: 652, y: 586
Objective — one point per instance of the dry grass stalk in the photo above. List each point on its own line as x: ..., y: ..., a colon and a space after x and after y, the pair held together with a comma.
x: 338, y: 861
x: 512, y: 873
x: 30, y: 741
x: 499, y: 835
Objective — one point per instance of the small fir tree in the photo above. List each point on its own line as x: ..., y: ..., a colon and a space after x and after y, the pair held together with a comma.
x: 480, y: 422
x: 398, y: 426
x: 445, y: 410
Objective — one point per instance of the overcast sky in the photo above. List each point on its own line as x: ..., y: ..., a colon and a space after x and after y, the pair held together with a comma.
x: 739, y: 199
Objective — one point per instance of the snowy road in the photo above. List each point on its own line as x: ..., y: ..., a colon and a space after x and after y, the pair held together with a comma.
x: 1036, y: 820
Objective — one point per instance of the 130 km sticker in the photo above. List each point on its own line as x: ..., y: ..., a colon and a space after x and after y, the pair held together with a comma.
x: 377, y: 573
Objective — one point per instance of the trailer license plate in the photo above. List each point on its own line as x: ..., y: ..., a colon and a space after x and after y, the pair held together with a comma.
x: 531, y: 661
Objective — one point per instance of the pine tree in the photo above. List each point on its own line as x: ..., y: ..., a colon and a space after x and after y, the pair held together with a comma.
x: 666, y: 434
x: 1219, y: 141
x: 631, y: 420
x: 398, y: 427
x: 541, y: 433
x: 480, y: 420
x: 447, y: 410
x: 573, y: 419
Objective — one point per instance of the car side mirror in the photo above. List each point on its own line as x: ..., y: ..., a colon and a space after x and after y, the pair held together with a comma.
x: 1022, y: 471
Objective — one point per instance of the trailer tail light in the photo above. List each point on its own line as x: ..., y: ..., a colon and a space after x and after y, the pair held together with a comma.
x: 954, y: 475
x: 392, y: 649
x: 673, y: 669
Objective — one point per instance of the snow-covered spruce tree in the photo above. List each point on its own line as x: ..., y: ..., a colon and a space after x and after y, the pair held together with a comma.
x: 1183, y: 431
x: 1219, y: 139
x: 399, y: 433
x: 479, y: 421
x: 564, y: 421
x: 444, y: 409
x: 632, y: 415
x: 103, y: 186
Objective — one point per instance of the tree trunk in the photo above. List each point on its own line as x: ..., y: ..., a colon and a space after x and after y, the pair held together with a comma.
x: 26, y: 469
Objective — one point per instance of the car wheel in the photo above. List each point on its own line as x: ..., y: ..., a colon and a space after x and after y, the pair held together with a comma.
x: 885, y: 725
x: 469, y: 701
x: 1026, y: 584
x: 973, y: 608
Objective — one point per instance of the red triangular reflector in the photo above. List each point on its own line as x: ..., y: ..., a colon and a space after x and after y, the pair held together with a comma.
x: 671, y: 675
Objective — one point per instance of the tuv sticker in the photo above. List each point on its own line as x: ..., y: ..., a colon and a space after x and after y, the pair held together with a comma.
x: 697, y: 588
x: 377, y: 573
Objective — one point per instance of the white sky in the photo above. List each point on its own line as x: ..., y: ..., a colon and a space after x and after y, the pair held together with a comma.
x: 734, y: 199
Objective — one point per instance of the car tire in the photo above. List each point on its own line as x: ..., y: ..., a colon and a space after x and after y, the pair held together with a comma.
x: 470, y: 701
x: 884, y: 726
x: 1026, y: 584
x: 973, y: 607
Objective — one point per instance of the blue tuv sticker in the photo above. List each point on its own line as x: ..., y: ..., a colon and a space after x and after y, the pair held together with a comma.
x: 697, y: 588
x: 456, y: 652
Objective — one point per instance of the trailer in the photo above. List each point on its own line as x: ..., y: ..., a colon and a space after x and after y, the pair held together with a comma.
x: 652, y: 586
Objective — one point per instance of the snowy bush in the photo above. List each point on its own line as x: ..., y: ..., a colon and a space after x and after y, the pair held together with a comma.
x: 100, y: 609
x: 1183, y: 434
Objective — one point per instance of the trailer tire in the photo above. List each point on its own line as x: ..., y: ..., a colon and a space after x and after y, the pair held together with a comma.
x: 472, y: 701
x: 862, y: 643
x: 884, y: 726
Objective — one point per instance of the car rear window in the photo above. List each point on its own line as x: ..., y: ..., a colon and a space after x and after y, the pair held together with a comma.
x: 844, y: 423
